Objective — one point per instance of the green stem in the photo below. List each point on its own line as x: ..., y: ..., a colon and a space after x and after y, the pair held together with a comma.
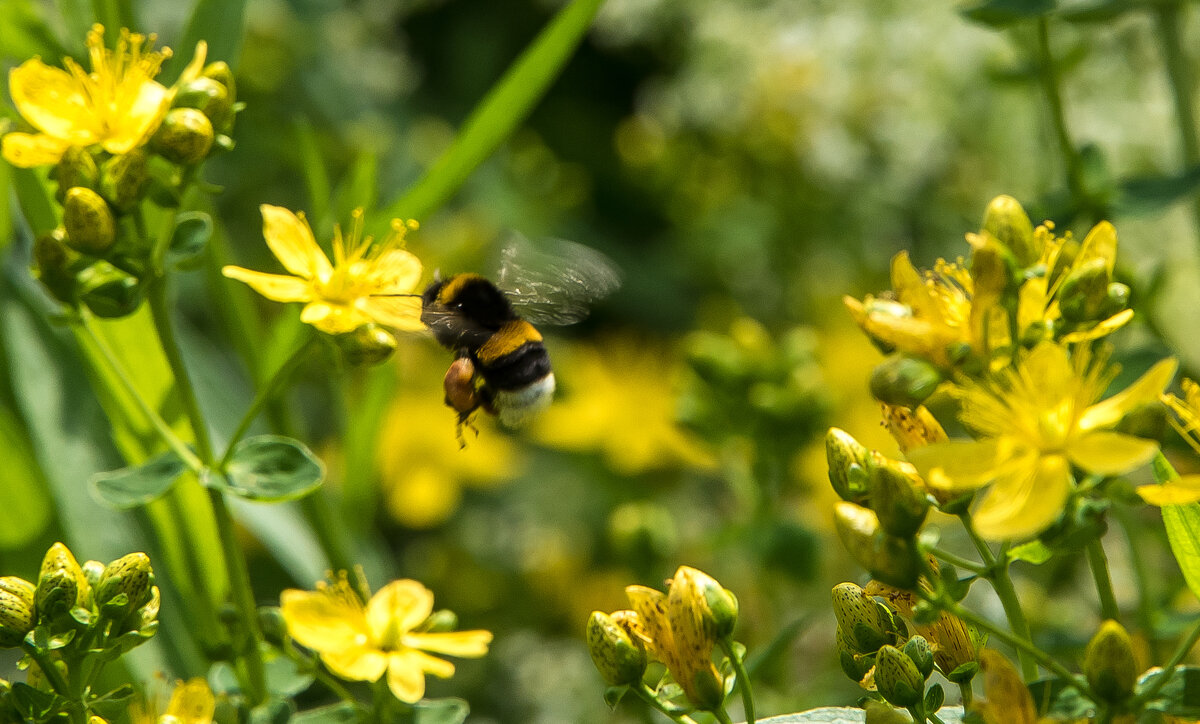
x: 1058, y: 117
x: 1168, y: 19
x: 164, y: 430
x: 1169, y: 668
x: 964, y: 689
x: 648, y: 696
x: 265, y: 394
x: 157, y: 295
x: 934, y: 718
x: 1147, y: 613
x: 1098, y: 562
x: 958, y: 561
x: 743, y: 679
x: 997, y: 574
x: 721, y: 716
x: 46, y: 664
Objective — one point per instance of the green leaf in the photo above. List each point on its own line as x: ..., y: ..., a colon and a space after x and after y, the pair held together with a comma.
x: 1035, y: 552
x: 999, y: 13
x: 935, y: 697
x: 27, y: 505
x: 1180, y: 696
x: 1149, y: 194
x: 138, y: 484
x: 343, y: 713
x: 440, y: 711
x: 284, y: 676
x: 36, y: 199
x: 24, y: 34
x: 506, y: 105
x: 217, y: 22
x: 1183, y: 533
x: 271, y: 468
x: 1055, y: 699
x: 312, y: 168
x: 30, y: 702
x: 614, y: 694
x: 273, y: 712
x: 192, y: 231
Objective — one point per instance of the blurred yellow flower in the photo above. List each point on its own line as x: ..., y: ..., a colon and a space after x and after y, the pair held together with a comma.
x: 1186, y: 488
x: 192, y: 702
x: 620, y: 401
x: 362, y: 643
x: 117, y: 105
x: 1035, y: 421
x: 364, y: 283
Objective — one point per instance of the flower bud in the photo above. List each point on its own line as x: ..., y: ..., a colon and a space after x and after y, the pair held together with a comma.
x: 1109, y: 663
x: 129, y: 575
x: 367, y: 346
x: 907, y: 381
x: 898, y: 679
x: 148, y: 613
x: 863, y: 621
x: 272, y: 624
x: 16, y: 610
x: 921, y: 653
x: 897, y: 496
x: 89, y: 223
x: 1084, y: 293
x: 888, y: 558
x: 185, y: 136
x: 75, y: 168
x: 1117, y: 299
x: 221, y: 73
x: 619, y: 657
x: 440, y: 621
x: 93, y: 571
x: 52, y: 262
x: 854, y: 665
x: 847, y: 461
x: 124, y: 178
x: 1010, y: 225
x: 994, y: 272
x: 210, y: 97
x: 878, y: 712
x: 107, y: 291
x: 697, y: 592
x: 913, y: 427
x: 61, y: 584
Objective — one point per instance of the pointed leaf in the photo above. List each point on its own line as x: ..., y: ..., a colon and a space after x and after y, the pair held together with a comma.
x: 271, y: 468
x: 343, y: 713
x: 139, y: 484
x: 441, y: 711
x: 1183, y: 532
x: 1034, y: 552
x: 192, y: 232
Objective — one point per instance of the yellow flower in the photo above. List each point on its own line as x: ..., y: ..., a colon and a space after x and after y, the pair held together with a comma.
x: 362, y: 643
x: 192, y: 702
x: 364, y: 283
x: 1186, y: 488
x: 1035, y: 421
x: 117, y: 105
x: 678, y: 628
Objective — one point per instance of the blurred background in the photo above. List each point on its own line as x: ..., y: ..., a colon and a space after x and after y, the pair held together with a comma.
x: 744, y: 164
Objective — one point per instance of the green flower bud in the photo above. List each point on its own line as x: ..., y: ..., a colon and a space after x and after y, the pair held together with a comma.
x: 1117, y: 301
x: 210, y: 97
x: 124, y: 178
x: 1010, y: 225
x: 148, y: 613
x: 93, y: 571
x: 107, y: 291
x: 707, y: 691
x: 847, y: 461
x: 61, y: 584
x: 89, y: 223
x: 921, y: 653
x: 130, y: 575
x: 619, y: 657
x: 221, y: 73
x: 898, y: 679
x: 367, y: 346
x: 272, y: 624
x: 888, y: 558
x: 16, y: 610
x: 1084, y: 293
x: 1109, y: 663
x: 723, y: 608
x: 440, y: 621
x: 993, y: 269
x: 1038, y: 331
x: 897, y: 496
x: 52, y: 263
x: 901, y: 380
x: 185, y: 136
x: 880, y: 713
x: 75, y: 168
x: 865, y: 624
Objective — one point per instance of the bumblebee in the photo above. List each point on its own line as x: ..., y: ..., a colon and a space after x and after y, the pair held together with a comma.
x: 502, y: 365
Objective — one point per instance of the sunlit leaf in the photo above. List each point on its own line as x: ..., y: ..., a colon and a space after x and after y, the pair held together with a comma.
x: 441, y: 711
x: 1034, y: 551
x: 271, y: 468
x: 138, y: 484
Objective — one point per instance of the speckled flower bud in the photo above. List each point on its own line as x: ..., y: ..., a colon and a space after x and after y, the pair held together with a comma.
x: 865, y: 624
x: 898, y: 679
x: 854, y: 664
x: 367, y: 346
x: 210, y: 97
x: 847, y: 461
x: 897, y: 496
x: 1109, y: 662
x: 16, y: 610
x: 888, y: 558
x: 1084, y: 293
x: 123, y: 179
x: 107, y: 291
x: 994, y: 272
x: 1008, y: 223
x: 148, y: 613
x: 921, y: 653
x: 907, y: 381
x: 52, y: 264
x: 913, y: 427
x: 185, y: 136
x: 75, y: 168
x: 61, y: 584
x: 89, y: 223
x: 619, y: 657
x: 129, y: 576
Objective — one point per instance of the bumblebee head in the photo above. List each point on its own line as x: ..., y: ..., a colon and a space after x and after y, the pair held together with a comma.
x: 468, y: 296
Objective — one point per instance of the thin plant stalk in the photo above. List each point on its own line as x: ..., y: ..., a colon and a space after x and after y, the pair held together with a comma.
x: 1098, y: 563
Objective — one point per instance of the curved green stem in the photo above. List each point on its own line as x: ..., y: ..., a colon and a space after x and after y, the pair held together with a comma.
x: 1169, y: 668
x: 721, y: 716
x: 1058, y: 116
x: 964, y: 689
x: 265, y: 394
x: 997, y: 574
x: 743, y: 679
x: 958, y: 561
x: 1098, y: 562
x: 648, y: 696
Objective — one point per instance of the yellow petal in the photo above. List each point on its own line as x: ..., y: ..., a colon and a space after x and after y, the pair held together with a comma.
x: 323, y: 622
x: 192, y: 702
x: 406, y: 677
x: 395, y: 271
x: 650, y: 607
x: 26, y: 150
x: 1100, y: 243
x: 54, y: 102
x: 139, y: 119
x: 1146, y: 390
x: 1110, y: 453
x: 357, y: 663
x: 291, y: 241
x: 959, y: 465
x: 1009, y: 699
x: 1023, y: 504
x: 1047, y: 368
x: 467, y: 644
x: 1101, y: 329
x: 276, y: 287
x: 429, y: 664
x: 195, y: 66
x: 402, y: 313
x: 333, y: 318
x: 1181, y: 491
x: 910, y: 287
x: 399, y: 606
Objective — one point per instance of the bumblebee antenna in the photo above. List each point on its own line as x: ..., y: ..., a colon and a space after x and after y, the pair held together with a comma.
x: 395, y: 295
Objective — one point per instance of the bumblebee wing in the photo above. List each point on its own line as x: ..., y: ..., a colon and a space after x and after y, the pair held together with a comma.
x: 445, y: 322
x: 556, y: 281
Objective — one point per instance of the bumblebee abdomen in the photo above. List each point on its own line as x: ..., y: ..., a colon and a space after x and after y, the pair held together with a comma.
x: 517, y: 368
x: 510, y: 338
x: 516, y: 407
